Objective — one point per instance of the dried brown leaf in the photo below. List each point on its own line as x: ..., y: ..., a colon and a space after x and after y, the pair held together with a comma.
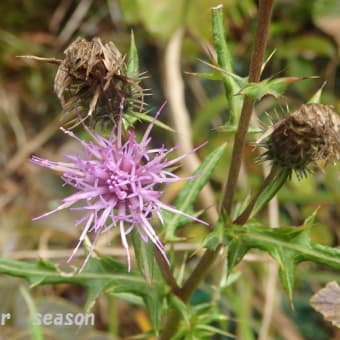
x: 327, y: 302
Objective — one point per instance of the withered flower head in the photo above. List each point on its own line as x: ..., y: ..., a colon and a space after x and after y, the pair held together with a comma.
x: 309, y: 134
x: 92, y: 79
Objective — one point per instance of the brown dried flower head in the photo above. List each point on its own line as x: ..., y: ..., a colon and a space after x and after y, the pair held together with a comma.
x: 310, y: 134
x: 92, y: 78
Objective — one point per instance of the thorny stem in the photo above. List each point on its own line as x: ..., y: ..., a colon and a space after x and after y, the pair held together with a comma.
x: 189, y: 287
x: 264, y: 15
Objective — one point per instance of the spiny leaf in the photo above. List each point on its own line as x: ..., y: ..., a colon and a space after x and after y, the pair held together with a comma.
x: 288, y: 245
x: 190, y: 192
x: 236, y: 252
x: 275, y: 87
x: 97, y: 276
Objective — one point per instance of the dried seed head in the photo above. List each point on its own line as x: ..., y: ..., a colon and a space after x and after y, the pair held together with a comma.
x: 92, y: 77
x: 307, y: 135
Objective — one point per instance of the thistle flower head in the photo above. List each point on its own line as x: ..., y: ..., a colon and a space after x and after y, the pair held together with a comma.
x: 93, y: 78
x: 312, y: 133
x: 117, y: 185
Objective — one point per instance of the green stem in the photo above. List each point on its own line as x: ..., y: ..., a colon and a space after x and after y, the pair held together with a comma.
x: 188, y: 289
x: 112, y: 315
x: 166, y: 272
x: 243, y: 218
x: 199, y: 273
x: 224, y: 60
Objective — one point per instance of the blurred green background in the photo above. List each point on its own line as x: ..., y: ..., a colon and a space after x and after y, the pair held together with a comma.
x: 305, y: 36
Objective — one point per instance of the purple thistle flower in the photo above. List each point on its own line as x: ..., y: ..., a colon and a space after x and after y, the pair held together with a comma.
x: 118, y: 185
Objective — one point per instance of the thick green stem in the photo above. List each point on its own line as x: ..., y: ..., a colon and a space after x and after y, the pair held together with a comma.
x: 224, y: 60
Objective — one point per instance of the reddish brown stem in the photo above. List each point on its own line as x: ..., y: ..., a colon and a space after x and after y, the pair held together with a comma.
x: 264, y: 15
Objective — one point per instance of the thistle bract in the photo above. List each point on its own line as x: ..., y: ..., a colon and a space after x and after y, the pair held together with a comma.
x: 117, y: 185
x: 309, y: 134
x: 93, y: 78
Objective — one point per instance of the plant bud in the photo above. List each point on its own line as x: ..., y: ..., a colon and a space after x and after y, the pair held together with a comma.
x: 307, y: 135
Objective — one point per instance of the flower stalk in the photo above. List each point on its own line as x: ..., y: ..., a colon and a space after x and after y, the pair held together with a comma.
x: 208, y: 258
x: 260, y: 43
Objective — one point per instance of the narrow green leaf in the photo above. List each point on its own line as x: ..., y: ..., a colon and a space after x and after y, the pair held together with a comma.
x: 133, y: 61
x: 191, y: 190
x: 149, y: 119
x: 219, y: 35
x: 148, y: 267
x: 239, y: 81
x: 270, y: 191
x: 310, y: 220
x: 128, y: 297
x: 181, y: 307
x: 154, y: 301
x: 213, y: 330
x: 274, y: 87
x: 270, y: 186
x: 211, y: 76
x: 225, y: 60
x: 36, y: 331
x: 144, y: 256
